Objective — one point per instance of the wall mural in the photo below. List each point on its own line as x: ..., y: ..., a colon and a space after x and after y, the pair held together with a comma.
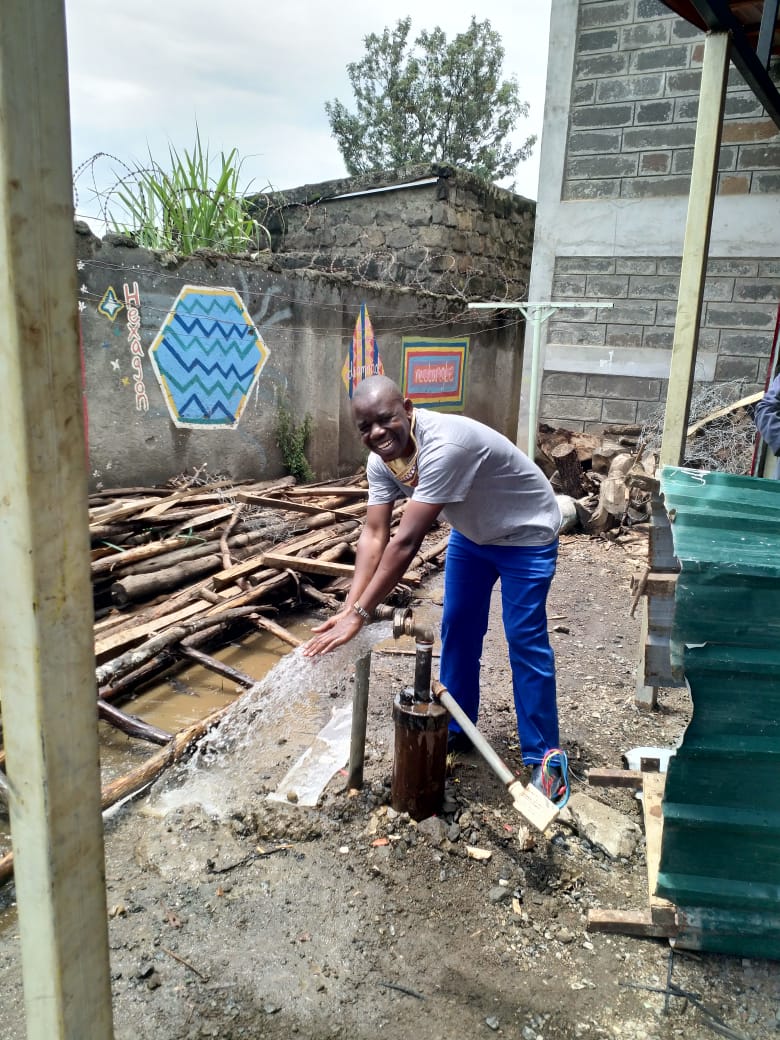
x: 363, y: 359
x: 434, y: 372
x: 207, y: 357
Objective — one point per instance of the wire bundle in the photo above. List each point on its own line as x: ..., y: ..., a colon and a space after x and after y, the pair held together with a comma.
x: 555, y: 777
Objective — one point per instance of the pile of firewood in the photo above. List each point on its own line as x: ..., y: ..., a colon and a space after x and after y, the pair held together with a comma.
x: 606, y: 477
x: 176, y: 569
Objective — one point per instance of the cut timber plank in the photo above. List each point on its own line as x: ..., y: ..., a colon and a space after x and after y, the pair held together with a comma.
x: 627, y: 922
x: 308, y: 565
x: 293, y: 507
x: 611, y: 777
x: 659, y: 920
x: 652, y: 807
x: 108, y: 646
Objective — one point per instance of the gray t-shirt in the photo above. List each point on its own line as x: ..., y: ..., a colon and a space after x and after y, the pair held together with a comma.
x: 491, y: 492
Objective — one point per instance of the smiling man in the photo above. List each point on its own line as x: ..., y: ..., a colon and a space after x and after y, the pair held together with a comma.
x: 505, y: 520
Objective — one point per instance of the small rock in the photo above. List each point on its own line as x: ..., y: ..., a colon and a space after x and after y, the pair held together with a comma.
x: 453, y: 832
x: 492, y: 1022
x: 434, y: 829
x: 564, y: 935
x: 607, y: 829
x: 154, y: 981
x: 498, y: 894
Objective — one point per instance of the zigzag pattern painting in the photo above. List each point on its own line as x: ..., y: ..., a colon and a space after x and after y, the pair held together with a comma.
x: 207, y: 357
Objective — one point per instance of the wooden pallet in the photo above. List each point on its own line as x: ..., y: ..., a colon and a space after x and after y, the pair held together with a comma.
x: 659, y: 919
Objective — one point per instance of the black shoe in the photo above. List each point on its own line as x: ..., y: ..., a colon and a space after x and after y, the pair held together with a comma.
x: 458, y: 742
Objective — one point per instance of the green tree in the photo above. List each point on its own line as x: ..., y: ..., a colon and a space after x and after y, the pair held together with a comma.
x: 432, y: 101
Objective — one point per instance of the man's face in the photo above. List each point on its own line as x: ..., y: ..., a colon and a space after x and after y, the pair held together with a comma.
x: 384, y: 424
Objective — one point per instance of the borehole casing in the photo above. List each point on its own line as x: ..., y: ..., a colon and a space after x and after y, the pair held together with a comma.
x: 420, y: 757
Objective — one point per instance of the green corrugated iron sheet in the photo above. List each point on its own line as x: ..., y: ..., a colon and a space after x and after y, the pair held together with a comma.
x: 720, y: 857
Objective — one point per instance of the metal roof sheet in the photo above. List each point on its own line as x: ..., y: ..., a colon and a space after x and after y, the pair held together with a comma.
x: 720, y: 856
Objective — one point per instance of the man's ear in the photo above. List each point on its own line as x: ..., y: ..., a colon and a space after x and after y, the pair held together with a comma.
x: 409, y: 407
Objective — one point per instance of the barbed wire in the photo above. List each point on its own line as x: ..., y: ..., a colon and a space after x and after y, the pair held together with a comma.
x: 723, y: 445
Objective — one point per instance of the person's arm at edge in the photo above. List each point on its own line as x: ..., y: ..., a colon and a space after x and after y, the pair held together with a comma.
x: 395, y: 557
x: 767, y: 416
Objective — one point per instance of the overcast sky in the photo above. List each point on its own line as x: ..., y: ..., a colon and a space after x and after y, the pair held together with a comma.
x: 255, y: 76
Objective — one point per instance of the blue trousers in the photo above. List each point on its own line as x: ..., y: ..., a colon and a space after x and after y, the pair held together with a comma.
x: 526, y: 573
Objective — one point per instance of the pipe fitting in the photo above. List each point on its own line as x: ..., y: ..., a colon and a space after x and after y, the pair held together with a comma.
x: 404, y: 623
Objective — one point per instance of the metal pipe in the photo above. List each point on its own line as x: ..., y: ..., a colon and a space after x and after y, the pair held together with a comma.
x: 357, y: 745
x: 422, y: 670
x: 499, y: 767
x: 404, y: 623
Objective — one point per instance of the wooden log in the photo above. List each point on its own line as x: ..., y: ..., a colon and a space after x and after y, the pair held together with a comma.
x: 322, y: 598
x: 133, y: 658
x: 136, y: 587
x: 216, y: 666
x: 121, y: 511
x: 569, y: 469
x: 157, y: 763
x: 131, y: 724
x: 224, y: 547
x: 281, y: 633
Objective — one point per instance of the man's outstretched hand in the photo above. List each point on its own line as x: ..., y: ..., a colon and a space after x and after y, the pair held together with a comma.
x: 333, y: 633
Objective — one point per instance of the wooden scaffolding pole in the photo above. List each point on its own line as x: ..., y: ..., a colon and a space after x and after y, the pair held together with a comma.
x: 704, y: 174
x: 690, y: 296
x: 47, y: 668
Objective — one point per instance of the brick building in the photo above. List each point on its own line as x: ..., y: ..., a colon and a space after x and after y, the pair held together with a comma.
x: 620, y: 120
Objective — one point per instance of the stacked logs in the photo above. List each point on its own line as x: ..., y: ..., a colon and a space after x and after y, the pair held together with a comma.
x: 173, y: 570
x: 605, y: 476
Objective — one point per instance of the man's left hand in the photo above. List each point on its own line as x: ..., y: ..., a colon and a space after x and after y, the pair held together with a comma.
x: 346, y: 627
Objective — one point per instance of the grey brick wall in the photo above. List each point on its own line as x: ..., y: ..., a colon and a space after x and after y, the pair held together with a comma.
x: 738, y: 320
x: 633, y: 109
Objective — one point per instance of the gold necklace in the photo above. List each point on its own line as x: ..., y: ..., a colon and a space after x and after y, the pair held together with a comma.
x: 405, y: 470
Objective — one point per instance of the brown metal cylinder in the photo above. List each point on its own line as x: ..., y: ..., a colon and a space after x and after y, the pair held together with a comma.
x: 420, y: 758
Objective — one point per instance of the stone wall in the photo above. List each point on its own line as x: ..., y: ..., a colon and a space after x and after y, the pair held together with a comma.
x: 634, y: 103
x: 432, y: 228
x: 217, y: 412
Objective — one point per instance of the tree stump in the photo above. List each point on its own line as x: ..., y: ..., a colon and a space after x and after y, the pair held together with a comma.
x: 569, y: 470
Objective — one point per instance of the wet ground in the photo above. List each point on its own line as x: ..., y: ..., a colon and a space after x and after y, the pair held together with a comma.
x: 349, y: 920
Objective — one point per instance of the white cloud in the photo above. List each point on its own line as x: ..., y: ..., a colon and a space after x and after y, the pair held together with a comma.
x: 256, y: 77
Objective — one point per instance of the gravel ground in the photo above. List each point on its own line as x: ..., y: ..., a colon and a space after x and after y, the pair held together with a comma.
x: 350, y: 920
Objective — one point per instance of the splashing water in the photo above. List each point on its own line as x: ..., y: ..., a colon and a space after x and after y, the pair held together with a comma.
x: 219, y: 775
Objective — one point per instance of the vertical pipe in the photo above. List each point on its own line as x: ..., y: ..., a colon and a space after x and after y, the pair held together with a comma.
x: 695, y: 246
x: 47, y: 662
x: 357, y: 746
x: 537, y: 318
x: 422, y: 671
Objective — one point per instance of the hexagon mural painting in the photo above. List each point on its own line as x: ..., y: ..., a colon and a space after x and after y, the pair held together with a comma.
x: 207, y: 357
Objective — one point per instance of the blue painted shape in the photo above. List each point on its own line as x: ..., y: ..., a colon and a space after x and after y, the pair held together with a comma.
x: 207, y: 357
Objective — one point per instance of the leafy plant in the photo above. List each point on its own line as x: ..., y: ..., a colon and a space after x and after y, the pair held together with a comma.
x: 194, y: 205
x: 291, y: 439
x: 431, y: 101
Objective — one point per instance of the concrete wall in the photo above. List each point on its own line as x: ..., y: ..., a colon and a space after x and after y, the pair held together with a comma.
x: 617, y: 142
x: 140, y: 435
x: 434, y: 228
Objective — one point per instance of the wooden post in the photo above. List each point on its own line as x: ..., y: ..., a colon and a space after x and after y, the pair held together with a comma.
x: 357, y: 747
x: 47, y: 668
x: 695, y: 246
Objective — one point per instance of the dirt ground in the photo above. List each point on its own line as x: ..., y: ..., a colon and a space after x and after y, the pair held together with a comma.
x: 348, y: 920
